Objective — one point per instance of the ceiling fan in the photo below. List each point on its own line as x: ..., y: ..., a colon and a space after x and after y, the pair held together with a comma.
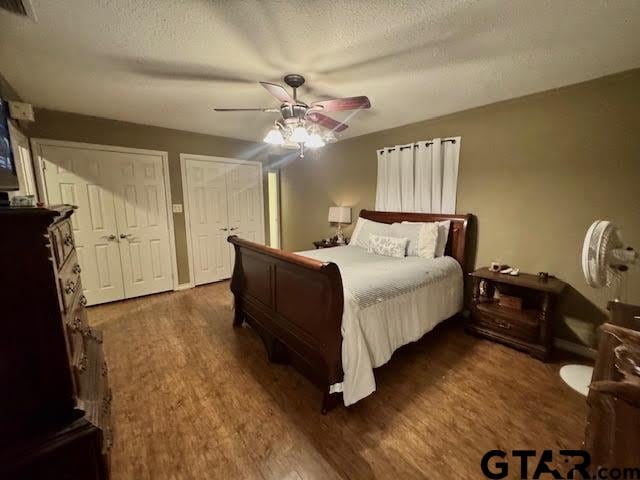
x: 300, y: 123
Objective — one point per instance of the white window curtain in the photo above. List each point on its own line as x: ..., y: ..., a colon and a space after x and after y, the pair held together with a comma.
x: 419, y: 177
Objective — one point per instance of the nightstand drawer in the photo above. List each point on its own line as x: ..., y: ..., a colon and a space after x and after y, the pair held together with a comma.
x: 513, y: 326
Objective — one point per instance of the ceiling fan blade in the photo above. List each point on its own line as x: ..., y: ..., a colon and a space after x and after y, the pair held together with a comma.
x: 339, y: 104
x: 278, y: 91
x: 326, y: 122
x: 267, y: 110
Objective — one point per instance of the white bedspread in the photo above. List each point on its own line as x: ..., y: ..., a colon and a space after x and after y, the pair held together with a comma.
x: 388, y: 302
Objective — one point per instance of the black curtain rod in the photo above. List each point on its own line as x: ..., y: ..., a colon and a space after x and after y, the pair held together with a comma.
x: 391, y: 149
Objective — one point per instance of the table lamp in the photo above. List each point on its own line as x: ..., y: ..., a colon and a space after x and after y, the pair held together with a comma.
x: 340, y: 215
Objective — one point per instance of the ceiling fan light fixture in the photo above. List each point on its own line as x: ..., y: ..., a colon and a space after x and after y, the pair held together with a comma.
x: 315, y: 141
x: 274, y: 137
x: 299, y: 135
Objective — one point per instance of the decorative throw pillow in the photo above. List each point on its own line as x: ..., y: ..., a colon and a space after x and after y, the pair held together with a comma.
x: 442, y: 235
x: 387, y: 246
x: 364, y: 228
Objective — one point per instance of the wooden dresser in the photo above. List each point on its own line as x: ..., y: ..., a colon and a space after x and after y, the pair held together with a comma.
x: 613, y: 423
x: 55, y: 401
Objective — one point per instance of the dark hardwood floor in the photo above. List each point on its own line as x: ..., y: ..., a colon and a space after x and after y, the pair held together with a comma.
x: 194, y: 398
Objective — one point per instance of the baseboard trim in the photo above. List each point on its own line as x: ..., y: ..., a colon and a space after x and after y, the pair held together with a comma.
x: 576, y: 348
x: 184, y: 286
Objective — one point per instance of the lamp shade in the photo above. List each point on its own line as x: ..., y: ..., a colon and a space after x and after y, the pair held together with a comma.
x: 340, y: 214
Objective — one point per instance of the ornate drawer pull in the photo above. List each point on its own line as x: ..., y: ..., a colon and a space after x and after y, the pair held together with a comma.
x: 83, y: 363
x: 502, y: 324
x: 68, y: 240
x: 105, y: 369
x: 92, y: 334
x: 106, y: 403
x: 83, y: 300
x: 76, y: 325
x: 76, y: 269
x: 70, y: 288
x: 108, y: 439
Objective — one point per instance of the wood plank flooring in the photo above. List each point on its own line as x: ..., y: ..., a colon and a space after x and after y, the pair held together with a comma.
x: 194, y: 398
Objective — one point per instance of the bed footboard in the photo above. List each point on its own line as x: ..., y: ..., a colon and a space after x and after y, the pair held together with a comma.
x: 295, y: 304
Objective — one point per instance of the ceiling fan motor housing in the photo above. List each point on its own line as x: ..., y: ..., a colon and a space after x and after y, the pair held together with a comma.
x: 293, y: 113
x: 294, y: 80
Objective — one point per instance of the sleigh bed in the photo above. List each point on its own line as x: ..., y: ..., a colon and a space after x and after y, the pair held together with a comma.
x: 296, y: 303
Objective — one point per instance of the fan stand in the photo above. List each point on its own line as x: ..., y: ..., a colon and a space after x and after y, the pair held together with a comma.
x: 578, y: 377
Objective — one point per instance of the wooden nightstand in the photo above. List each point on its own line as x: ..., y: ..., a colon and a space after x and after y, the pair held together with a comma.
x: 324, y: 244
x: 527, y: 328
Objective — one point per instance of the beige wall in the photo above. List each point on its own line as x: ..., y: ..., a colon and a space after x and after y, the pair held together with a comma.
x: 80, y: 128
x: 6, y: 90
x: 536, y: 171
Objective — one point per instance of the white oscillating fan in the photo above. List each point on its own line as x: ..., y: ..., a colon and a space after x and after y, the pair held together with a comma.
x: 604, y: 262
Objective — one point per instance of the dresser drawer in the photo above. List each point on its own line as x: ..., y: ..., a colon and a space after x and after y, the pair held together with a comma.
x: 94, y: 395
x: 69, y: 283
x: 66, y: 235
x: 523, y: 329
x: 62, y: 238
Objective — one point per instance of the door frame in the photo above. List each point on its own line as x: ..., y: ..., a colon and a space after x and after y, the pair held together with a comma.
x: 185, y: 197
x: 27, y: 185
x: 36, y: 149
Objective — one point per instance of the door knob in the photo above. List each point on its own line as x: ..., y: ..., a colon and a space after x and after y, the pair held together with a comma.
x: 224, y: 229
x: 125, y: 235
x: 233, y: 228
x: 111, y: 237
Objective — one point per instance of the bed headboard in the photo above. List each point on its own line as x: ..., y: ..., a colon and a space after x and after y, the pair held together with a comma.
x: 457, y: 233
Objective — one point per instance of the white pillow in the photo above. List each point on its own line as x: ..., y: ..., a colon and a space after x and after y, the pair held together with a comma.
x: 422, y: 238
x: 364, y: 228
x: 387, y: 246
x: 443, y: 235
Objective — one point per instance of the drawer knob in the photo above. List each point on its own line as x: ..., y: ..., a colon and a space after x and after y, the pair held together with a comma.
x: 76, y: 269
x: 83, y: 300
x: 68, y: 240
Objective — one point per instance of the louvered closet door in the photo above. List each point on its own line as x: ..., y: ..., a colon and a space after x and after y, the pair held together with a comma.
x: 78, y: 177
x: 141, y: 218
x: 207, y: 197
x: 246, y: 211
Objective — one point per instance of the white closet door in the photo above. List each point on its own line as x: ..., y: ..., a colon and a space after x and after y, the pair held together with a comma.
x: 78, y: 177
x: 206, y: 194
x: 246, y: 211
x: 141, y: 216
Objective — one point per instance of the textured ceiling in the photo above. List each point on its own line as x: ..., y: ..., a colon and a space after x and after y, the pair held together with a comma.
x: 167, y: 62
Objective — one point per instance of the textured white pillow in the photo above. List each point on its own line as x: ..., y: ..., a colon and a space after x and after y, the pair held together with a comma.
x: 428, y: 241
x: 364, y: 228
x: 442, y: 235
x: 387, y: 246
x: 411, y: 232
